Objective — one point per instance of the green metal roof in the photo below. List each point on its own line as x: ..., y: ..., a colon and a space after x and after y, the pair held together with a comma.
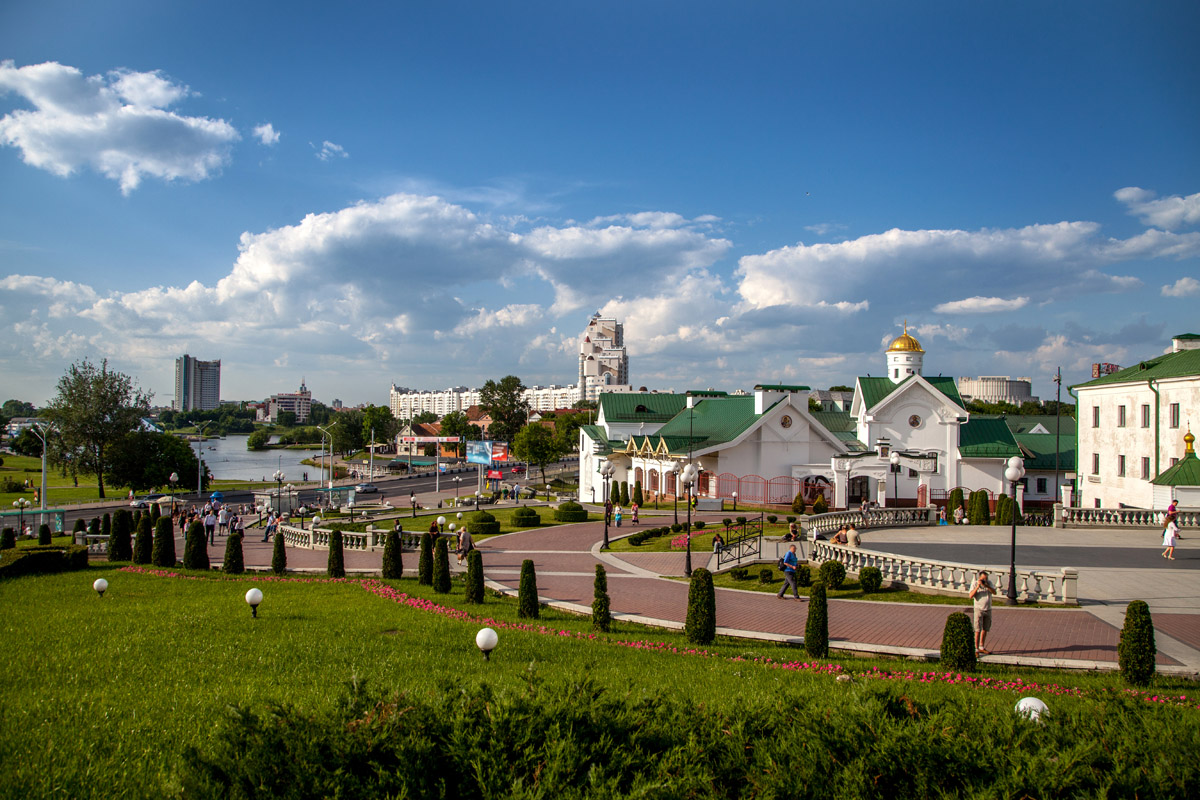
x: 637, y: 407
x: 1039, y: 450
x: 1186, y: 472
x: 1171, y: 365
x: 711, y: 421
x: 835, y: 421
x: 1025, y: 424
x: 986, y: 438
x: 876, y: 390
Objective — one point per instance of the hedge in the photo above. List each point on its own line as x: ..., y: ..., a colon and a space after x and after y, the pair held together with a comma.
x: 441, y: 566
x: 482, y: 523
x: 235, y: 562
x: 43, y: 559
x: 474, y: 577
x: 701, y: 623
x: 525, y: 517
x: 570, y: 511
x: 958, y: 643
x: 601, y: 611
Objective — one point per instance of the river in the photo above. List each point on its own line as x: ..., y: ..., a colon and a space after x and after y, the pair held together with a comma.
x: 228, y: 459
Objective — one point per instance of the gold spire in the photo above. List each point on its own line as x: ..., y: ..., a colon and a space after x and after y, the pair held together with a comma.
x: 1188, y: 441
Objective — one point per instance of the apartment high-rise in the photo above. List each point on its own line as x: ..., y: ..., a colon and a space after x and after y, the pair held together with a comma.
x: 602, y: 358
x: 197, y: 384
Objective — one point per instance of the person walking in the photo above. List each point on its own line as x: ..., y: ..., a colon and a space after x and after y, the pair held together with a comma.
x: 982, y: 593
x: 633, y: 511
x: 210, y: 527
x: 959, y: 513
x: 465, y: 544
x: 223, y: 521
x: 617, y: 516
x: 1170, y: 536
x: 790, y: 562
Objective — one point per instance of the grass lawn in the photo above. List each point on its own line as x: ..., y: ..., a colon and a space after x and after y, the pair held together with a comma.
x: 103, y: 697
x: 503, y: 515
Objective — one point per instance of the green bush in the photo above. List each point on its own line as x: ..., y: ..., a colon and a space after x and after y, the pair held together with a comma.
x: 526, y: 517
x: 570, y: 511
x: 336, y: 566
x: 120, y: 546
x: 766, y: 576
x: 803, y: 575
x: 8, y: 539
x: 741, y: 520
x: 871, y: 579
x: 820, y: 505
x: 698, y: 524
x: 163, y: 554
x: 425, y: 560
x: 483, y: 523
x: 1137, y: 651
x: 601, y: 612
x: 771, y: 518
x: 739, y: 573
x: 676, y: 527
x: 978, y: 512
x: 106, y: 524
x: 798, y: 505
x: 727, y: 522
x: 1003, y: 510
x: 790, y: 519
x: 625, y: 493
x: 393, y: 566
x: 279, y: 554
x: 94, y: 527
x: 527, y: 592
x: 816, y: 629
x: 474, y: 577
x: 637, y: 495
x: 235, y: 562
x: 195, y: 548
x: 42, y: 560
x: 955, y: 500
x: 143, y: 543
x: 441, y: 566
x: 44, y: 536
x: 958, y: 643
x: 701, y: 623
x: 81, y: 527
x: 832, y: 574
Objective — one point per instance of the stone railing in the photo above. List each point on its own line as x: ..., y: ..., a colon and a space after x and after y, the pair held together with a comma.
x: 875, y: 518
x: 1067, y: 517
x: 97, y: 543
x: 318, y: 538
x: 948, y: 577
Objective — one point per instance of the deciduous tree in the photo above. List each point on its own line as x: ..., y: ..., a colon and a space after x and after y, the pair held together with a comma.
x: 536, y: 444
x: 505, y: 404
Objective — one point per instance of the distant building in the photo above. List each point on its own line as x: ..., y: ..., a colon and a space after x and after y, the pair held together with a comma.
x: 997, y: 389
x: 603, y: 362
x: 197, y: 384
x: 298, y: 403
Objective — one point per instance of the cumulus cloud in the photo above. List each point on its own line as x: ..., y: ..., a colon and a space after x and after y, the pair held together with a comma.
x: 330, y: 150
x: 1170, y: 212
x: 981, y: 305
x: 1184, y: 287
x: 117, y: 124
x: 266, y: 134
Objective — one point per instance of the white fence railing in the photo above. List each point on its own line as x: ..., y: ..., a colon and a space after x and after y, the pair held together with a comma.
x: 875, y: 518
x: 1121, y: 517
x: 318, y: 538
x: 947, y: 577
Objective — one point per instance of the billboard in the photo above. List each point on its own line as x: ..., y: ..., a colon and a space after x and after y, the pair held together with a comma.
x: 429, y: 439
x: 486, y: 453
x: 499, y: 451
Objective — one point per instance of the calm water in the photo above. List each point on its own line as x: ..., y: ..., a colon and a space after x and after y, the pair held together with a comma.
x: 229, y: 459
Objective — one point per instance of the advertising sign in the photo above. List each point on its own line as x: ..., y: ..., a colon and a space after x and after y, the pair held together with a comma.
x: 499, y: 451
x: 494, y: 474
x: 479, y: 453
x: 428, y: 439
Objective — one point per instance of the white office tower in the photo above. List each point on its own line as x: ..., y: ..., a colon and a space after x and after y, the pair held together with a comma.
x: 197, y: 384
x: 603, y: 361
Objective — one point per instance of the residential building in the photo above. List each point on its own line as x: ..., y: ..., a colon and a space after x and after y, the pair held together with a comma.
x: 298, y: 403
x: 997, y: 389
x: 603, y: 361
x: 197, y: 384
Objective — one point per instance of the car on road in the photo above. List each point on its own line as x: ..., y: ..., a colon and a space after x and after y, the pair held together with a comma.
x: 518, y: 470
x: 144, y: 501
x: 366, y: 488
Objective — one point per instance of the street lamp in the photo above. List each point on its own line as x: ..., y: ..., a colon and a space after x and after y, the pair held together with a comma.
x: 689, y: 477
x: 278, y: 478
x: 674, y: 472
x: 290, y: 490
x: 1014, y: 473
x: 21, y: 504
x: 606, y: 472
x: 457, y: 484
x: 174, y: 479
x: 477, y: 496
x: 200, y: 460
x: 735, y: 502
x: 895, y: 461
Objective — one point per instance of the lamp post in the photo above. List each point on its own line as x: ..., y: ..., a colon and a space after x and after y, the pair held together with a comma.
x: 21, y: 504
x: 174, y: 479
x: 735, y: 502
x: 278, y: 477
x: 674, y: 473
x: 895, y: 461
x: 606, y: 472
x: 457, y: 484
x: 290, y: 489
x: 689, y: 477
x: 326, y: 432
x: 200, y: 460
x: 477, y: 496
x: 1014, y: 473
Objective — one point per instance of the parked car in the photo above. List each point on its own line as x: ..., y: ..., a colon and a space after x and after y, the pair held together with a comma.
x: 366, y: 488
x: 145, y: 500
x: 518, y: 469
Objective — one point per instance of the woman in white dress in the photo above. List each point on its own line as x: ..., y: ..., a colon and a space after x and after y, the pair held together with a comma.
x: 1170, y: 535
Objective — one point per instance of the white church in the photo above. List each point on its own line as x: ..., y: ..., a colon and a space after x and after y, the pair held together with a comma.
x: 907, y: 440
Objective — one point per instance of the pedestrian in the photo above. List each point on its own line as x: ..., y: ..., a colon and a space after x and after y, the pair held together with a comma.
x: 789, y: 562
x: 270, y: 526
x: 1170, y: 536
x: 633, y: 511
x: 852, y: 537
x: 210, y: 527
x: 718, y: 543
x: 942, y: 516
x: 240, y: 526
x: 982, y: 593
x: 223, y: 520
x: 608, y: 510
x: 864, y: 508
x: 959, y: 513
x: 617, y: 516
x: 465, y: 544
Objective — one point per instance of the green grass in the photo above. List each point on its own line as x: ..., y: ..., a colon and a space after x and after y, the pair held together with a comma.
x: 701, y: 539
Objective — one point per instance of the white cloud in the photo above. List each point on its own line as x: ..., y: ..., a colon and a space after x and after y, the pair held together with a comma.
x: 824, y: 228
x: 1184, y: 287
x: 517, y: 315
x: 266, y: 134
x: 330, y: 150
x: 117, y: 125
x: 981, y: 305
x: 1162, y: 212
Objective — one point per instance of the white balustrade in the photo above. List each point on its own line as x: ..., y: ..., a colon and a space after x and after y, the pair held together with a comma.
x: 947, y: 577
x: 1121, y: 517
x: 875, y: 518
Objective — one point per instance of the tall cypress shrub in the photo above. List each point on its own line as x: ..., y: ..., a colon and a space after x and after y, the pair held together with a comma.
x: 1004, y: 510
x: 474, y: 577
x: 441, y: 567
x: 798, y: 505
x: 195, y: 548
x: 701, y: 623
x: 425, y: 560
x: 393, y: 566
x: 601, y: 605
x: 155, y: 514
x: 80, y: 527
x: 527, y: 592
x: 816, y: 630
x: 956, y: 500
x: 44, y: 538
x: 143, y: 543
x: 106, y: 524
x: 625, y: 493
x: 8, y: 538
x: 958, y: 643
x: 337, y: 559
x: 94, y: 527
x: 1137, y: 650
x: 120, y: 546
x: 163, y: 554
x: 235, y: 562
x: 279, y: 555
x: 637, y: 496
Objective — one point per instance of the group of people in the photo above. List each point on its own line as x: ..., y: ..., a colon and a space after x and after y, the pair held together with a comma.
x: 216, y: 517
x: 1171, y: 532
x: 463, y: 542
x: 615, y: 514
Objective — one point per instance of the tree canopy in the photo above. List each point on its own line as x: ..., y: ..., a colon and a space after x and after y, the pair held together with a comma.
x: 456, y: 424
x: 144, y: 460
x: 537, y: 445
x: 504, y: 402
x: 381, y: 420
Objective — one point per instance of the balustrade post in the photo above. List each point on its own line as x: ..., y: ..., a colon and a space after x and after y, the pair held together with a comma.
x: 1070, y: 586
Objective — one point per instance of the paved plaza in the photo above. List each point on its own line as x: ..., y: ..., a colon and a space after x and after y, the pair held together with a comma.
x: 1114, y: 568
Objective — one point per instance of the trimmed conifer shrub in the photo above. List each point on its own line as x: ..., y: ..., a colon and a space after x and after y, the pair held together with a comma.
x: 527, y: 592
x: 120, y: 546
x: 483, y: 523
x: 1003, y: 510
x: 44, y: 537
x: 871, y: 579
x: 803, y: 575
x: 698, y: 524
x: 798, y: 504
x: 93, y: 528
x: 163, y: 554
x: 816, y: 629
x: 624, y: 493
x: 195, y: 548
x: 1137, y: 650
x: 570, y: 511
x: 336, y: 567
x: 701, y: 623
x: 393, y: 566
x: 766, y: 575
x: 106, y: 524
x: 425, y: 560
x: 525, y: 517
x: 441, y: 566
x: 956, y: 500
x: 958, y: 643
x: 155, y: 514
x: 832, y: 574
x: 601, y: 604
x: 279, y: 554
x: 820, y: 505
x: 235, y: 562
x: 80, y: 527
x: 978, y: 512
x: 143, y: 543
x: 474, y: 577
x: 8, y: 539
x: 637, y: 495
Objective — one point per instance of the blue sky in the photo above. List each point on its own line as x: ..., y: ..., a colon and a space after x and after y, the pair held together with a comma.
x: 434, y: 194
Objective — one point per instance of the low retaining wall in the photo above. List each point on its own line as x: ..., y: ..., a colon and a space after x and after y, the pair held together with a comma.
x: 950, y: 578
x: 1145, y: 518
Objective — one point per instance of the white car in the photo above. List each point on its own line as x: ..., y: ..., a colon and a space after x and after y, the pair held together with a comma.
x: 366, y: 488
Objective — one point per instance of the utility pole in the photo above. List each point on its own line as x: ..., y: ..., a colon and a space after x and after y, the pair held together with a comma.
x: 1057, y: 428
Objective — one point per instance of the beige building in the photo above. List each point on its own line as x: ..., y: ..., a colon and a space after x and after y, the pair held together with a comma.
x: 997, y: 389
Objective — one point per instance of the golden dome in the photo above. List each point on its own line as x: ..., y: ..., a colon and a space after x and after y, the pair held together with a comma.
x: 905, y: 343
x: 1188, y: 441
